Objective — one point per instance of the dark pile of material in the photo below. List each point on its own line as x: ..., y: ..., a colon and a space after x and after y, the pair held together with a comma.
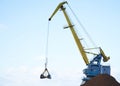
x: 102, y: 80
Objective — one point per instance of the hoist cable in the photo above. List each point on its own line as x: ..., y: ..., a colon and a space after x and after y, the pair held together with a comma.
x: 46, y: 51
x: 82, y: 26
x: 45, y: 73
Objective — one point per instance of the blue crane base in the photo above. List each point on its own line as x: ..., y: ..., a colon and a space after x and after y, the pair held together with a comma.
x: 94, y: 68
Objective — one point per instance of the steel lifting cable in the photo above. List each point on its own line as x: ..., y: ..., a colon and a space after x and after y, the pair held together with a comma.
x: 82, y: 26
x: 43, y: 76
x: 46, y: 51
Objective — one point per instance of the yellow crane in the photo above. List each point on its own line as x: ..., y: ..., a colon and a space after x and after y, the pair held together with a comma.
x: 71, y: 26
x: 93, y: 67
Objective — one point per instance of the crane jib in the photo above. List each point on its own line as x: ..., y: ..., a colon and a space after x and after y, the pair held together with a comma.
x: 70, y: 25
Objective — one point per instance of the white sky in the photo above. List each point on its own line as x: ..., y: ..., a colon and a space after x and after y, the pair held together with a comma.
x: 23, y: 27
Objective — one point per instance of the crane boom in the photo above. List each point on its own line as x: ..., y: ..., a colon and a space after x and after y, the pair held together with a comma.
x: 79, y: 44
x: 57, y: 8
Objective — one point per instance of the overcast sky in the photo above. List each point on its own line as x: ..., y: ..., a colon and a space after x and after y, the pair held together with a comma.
x: 23, y: 30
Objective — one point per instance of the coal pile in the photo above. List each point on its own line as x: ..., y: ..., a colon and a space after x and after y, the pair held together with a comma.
x: 102, y: 80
